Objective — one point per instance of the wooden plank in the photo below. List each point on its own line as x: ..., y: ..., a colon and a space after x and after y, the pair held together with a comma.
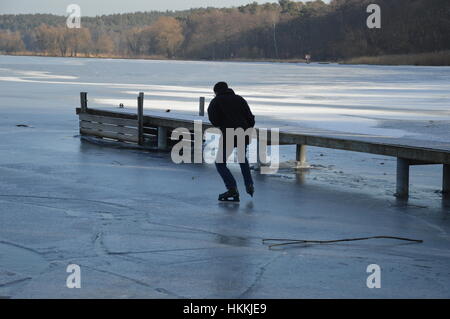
x: 148, y: 136
x: 109, y: 128
x: 115, y: 136
x: 149, y: 121
x: 167, y: 122
x: 108, y: 120
x: 151, y: 130
x: 414, y: 162
x: 98, y: 112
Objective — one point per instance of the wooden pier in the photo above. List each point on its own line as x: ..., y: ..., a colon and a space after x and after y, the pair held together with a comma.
x: 154, y: 132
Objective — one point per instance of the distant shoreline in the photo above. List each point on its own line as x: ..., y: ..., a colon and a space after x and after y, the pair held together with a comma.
x: 161, y: 58
x: 441, y: 58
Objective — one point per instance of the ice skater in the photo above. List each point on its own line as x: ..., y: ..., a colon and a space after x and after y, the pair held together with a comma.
x: 231, y: 111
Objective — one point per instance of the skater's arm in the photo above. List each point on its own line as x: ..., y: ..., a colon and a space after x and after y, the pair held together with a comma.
x: 249, y: 115
x: 214, y: 114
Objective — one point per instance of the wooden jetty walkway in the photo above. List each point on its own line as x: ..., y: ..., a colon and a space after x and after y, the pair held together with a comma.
x: 155, y: 132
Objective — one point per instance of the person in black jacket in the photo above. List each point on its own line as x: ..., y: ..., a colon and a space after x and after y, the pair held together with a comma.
x: 231, y: 111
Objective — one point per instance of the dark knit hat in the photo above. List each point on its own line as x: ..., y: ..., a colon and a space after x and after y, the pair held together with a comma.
x: 220, y: 87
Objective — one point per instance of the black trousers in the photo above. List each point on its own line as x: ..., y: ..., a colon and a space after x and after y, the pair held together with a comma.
x: 221, y: 164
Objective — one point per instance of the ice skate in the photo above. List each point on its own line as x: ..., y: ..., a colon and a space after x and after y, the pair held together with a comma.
x: 232, y: 195
x: 250, y: 189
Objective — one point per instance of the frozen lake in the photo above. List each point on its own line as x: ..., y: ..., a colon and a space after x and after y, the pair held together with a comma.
x: 381, y: 100
x: 140, y: 226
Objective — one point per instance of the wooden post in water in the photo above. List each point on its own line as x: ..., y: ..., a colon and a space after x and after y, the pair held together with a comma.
x: 301, y: 157
x: 83, y: 101
x: 140, y: 115
x: 446, y: 180
x: 402, y: 178
x: 201, y: 110
x: 162, y: 138
x: 261, y: 148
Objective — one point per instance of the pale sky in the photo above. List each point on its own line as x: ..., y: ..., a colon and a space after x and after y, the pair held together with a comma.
x: 99, y: 7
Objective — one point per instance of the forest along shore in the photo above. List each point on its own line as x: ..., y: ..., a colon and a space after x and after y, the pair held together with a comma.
x: 282, y: 31
x: 421, y: 59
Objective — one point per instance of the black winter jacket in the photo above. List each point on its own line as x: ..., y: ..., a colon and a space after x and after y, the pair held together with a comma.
x: 229, y: 110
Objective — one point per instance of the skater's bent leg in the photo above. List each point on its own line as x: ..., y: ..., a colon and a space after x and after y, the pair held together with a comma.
x: 226, y: 175
x: 221, y: 165
x: 245, y: 169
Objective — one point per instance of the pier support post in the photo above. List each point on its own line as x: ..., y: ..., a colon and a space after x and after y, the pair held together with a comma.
x: 262, y: 142
x: 83, y: 101
x: 201, y: 108
x: 257, y: 165
x: 300, y: 157
x: 446, y: 180
x: 402, y: 178
x: 140, y: 115
x: 162, y: 138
